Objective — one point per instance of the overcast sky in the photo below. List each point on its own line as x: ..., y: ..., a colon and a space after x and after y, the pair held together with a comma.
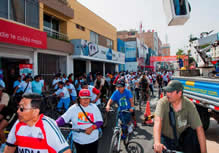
x: 127, y: 14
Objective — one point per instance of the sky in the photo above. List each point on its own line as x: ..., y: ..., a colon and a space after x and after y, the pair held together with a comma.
x: 128, y: 14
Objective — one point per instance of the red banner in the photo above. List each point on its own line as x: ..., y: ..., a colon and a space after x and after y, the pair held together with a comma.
x: 20, y: 35
x: 166, y: 58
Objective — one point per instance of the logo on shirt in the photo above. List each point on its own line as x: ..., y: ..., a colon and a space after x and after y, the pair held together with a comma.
x: 82, y: 119
x: 123, y: 102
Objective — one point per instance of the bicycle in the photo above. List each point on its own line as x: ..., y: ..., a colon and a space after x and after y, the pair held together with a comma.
x: 121, y: 131
x: 69, y: 136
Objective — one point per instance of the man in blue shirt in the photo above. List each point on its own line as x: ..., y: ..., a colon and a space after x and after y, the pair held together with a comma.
x: 37, y: 86
x: 123, y: 97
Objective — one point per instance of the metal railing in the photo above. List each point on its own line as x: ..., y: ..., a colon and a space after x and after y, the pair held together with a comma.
x: 54, y: 34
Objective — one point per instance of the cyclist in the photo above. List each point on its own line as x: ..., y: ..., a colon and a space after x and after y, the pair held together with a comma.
x: 101, y: 84
x: 87, y: 116
x: 144, y: 84
x: 123, y: 97
x: 186, y: 116
x: 71, y: 90
x: 63, y: 93
x: 34, y: 132
x: 95, y: 93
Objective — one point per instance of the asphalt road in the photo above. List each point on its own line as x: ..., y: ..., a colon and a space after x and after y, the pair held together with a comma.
x: 143, y: 135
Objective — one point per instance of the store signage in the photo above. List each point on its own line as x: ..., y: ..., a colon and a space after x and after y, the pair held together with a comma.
x: 25, y: 69
x: 20, y: 35
x: 90, y: 49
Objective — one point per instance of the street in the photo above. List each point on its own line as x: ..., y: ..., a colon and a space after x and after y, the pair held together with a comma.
x: 143, y: 135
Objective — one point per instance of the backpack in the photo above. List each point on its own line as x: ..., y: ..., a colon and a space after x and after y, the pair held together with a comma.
x: 144, y: 83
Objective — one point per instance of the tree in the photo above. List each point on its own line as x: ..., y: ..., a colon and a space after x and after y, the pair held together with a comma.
x: 180, y: 52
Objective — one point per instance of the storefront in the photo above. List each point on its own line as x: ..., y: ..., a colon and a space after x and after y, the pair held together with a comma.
x: 17, y: 46
x: 97, y: 58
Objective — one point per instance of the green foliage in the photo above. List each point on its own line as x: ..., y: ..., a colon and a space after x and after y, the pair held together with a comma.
x: 180, y: 52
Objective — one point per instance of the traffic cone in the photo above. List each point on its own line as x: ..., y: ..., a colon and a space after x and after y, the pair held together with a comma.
x: 147, y: 114
x: 161, y: 95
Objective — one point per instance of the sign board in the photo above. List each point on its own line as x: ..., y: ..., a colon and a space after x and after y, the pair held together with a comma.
x: 25, y: 69
x: 21, y: 35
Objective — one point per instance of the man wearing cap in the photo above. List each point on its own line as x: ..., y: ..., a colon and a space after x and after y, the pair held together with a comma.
x: 123, y: 97
x: 185, y: 114
x: 78, y: 114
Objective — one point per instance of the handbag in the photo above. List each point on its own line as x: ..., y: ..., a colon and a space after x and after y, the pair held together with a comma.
x: 99, y: 129
x: 188, y: 140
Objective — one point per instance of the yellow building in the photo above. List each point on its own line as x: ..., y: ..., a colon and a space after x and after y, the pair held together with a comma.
x: 76, y: 39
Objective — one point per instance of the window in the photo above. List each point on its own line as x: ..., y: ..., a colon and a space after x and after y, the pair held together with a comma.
x: 109, y: 43
x: 4, y: 8
x: 17, y: 10
x: 94, y: 37
x: 51, y: 25
x: 23, y: 11
x: 80, y: 27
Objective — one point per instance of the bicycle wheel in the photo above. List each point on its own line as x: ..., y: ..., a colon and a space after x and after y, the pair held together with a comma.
x: 114, y: 146
x: 133, y: 147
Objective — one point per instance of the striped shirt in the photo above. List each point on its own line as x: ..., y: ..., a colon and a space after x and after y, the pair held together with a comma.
x: 43, y: 137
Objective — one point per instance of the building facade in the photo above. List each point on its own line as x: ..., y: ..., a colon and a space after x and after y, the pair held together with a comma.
x: 42, y: 33
x: 165, y: 50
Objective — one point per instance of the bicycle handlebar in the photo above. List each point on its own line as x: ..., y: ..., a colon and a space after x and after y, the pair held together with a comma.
x: 72, y: 129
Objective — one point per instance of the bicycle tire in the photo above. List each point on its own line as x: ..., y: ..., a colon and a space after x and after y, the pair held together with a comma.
x: 133, y: 147
x: 114, y: 143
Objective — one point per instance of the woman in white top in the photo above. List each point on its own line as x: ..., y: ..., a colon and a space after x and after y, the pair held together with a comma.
x: 86, y: 142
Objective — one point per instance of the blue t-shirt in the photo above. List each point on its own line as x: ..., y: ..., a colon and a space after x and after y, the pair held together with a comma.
x: 122, y: 99
x: 37, y: 87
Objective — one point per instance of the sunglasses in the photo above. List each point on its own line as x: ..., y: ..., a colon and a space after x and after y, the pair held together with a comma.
x: 22, y: 109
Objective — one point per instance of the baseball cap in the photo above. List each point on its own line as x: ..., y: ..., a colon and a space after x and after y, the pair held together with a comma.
x: 84, y: 93
x: 120, y: 83
x: 174, y: 85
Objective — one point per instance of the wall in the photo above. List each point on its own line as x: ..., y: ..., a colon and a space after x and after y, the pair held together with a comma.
x: 92, y: 22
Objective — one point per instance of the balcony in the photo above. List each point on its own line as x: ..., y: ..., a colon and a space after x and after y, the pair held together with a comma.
x: 61, y: 6
x: 56, y: 35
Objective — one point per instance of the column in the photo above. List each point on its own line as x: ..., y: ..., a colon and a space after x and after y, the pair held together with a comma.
x: 69, y: 65
x: 88, y: 66
x: 104, y: 69
x: 35, y: 63
x: 117, y: 68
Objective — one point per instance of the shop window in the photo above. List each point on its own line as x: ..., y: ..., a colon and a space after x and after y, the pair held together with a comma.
x: 94, y: 37
x: 80, y: 27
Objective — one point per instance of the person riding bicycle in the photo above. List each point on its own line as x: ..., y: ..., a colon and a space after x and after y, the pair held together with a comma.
x: 101, y: 84
x: 33, y: 131
x: 123, y: 97
x: 95, y: 93
x: 87, y: 116
x: 64, y: 96
x: 144, y: 86
x: 185, y: 118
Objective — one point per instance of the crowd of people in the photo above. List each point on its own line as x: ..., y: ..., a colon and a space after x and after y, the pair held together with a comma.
x: 81, y: 98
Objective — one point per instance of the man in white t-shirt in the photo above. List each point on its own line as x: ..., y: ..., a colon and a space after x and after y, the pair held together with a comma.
x: 34, y: 132
x: 64, y: 96
x: 71, y: 90
x: 86, y: 142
